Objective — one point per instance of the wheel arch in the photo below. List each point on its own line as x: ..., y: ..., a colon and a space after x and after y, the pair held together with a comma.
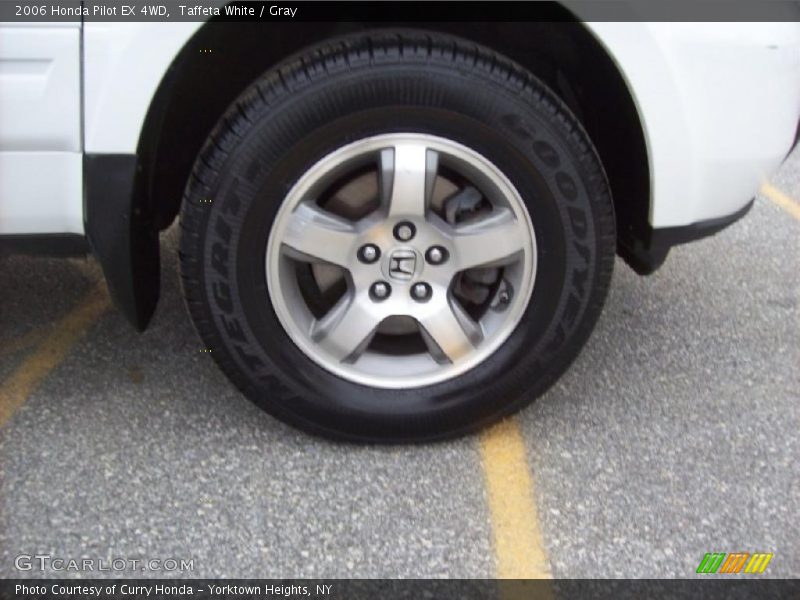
x: 217, y: 62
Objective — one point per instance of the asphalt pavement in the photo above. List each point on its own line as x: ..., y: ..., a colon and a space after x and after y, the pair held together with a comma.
x: 674, y: 434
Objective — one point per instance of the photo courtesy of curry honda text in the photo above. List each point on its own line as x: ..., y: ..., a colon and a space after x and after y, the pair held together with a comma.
x: 389, y: 233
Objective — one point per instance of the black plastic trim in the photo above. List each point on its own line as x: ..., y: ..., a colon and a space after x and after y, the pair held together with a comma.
x: 44, y: 244
x: 672, y: 236
x: 121, y: 237
x: 796, y: 139
x: 646, y: 256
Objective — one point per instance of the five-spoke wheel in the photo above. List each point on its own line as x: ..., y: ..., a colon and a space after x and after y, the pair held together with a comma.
x: 388, y: 260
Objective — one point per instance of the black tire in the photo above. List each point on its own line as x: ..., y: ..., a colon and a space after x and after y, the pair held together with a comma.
x: 355, y: 87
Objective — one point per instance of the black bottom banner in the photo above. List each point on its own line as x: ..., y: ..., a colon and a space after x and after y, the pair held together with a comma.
x: 389, y: 589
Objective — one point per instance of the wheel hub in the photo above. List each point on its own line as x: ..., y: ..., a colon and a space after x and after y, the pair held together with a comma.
x: 402, y: 264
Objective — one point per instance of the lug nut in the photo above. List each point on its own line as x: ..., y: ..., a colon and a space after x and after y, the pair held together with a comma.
x: 380, y: 290
x: 369, y: 253
x: 436, y: 255
x: 404, y: 231
x: 421, y: 292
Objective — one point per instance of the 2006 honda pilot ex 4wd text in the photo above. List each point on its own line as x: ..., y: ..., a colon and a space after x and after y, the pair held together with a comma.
x: 388, y: 233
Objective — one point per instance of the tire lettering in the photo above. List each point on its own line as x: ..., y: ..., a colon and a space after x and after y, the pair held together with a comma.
x: 251, y: 360
x: 566, y: 186
x: 547, y: 153
x: 578, y: 220
x: 223, y: 230
x: 233, y: 328
x: 515, y: 124
x: 222, y: 294
x: 583, y: 250
x: 231, y: 204
x: 579, y: 279
x: 219, y: 259
x: 558, y: 339
x: 571, y: 310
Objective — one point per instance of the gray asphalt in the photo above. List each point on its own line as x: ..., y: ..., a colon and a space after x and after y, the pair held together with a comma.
x: 675, y: 433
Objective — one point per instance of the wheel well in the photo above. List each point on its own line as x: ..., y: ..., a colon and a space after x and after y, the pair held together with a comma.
x: 565, y: 55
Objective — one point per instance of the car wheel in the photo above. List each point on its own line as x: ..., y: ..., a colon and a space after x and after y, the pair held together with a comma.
x: 396, y: 236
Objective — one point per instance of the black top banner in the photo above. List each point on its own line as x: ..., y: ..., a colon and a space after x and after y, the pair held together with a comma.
x: 390, y: 11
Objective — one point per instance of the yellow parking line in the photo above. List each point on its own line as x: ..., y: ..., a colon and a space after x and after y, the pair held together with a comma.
x: 518, y: 546
x: 14, y: 391
x: 24, y: 341
x: 782, y: 200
